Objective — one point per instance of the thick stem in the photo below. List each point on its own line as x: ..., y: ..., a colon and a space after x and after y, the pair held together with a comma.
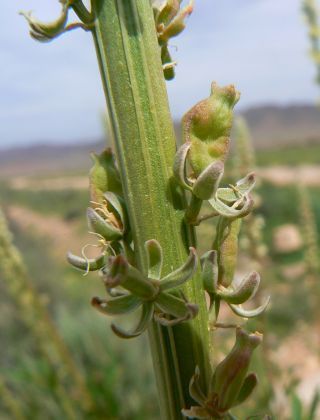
x: 131, y: 70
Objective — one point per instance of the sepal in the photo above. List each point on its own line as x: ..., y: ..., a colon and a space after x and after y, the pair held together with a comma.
x: 234, y: 295
x: 86, y: 264
x: 230, y: 385
x: 157, y: 302
x: 45, y: 32
x: 245, y: 291
x: 103, y: 227
x: 208, y: 181
x: 155, y: 259
x: 182, y: 274
x: 145, y: 319
x: 121, y: 273
x: 116, y: 306
x: 250, y: 313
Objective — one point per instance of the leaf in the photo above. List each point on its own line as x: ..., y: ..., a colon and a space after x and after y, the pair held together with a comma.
x: 313, y: 406
x: 182, y: 274
x: 296, y: 408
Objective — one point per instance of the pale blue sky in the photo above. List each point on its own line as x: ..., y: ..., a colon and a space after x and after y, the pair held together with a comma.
x: 52, y: 93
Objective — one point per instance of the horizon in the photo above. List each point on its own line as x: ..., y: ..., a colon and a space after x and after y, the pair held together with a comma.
x: 41, y: 100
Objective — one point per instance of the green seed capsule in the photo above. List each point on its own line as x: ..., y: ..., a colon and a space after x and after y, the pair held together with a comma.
x: 207, y: 127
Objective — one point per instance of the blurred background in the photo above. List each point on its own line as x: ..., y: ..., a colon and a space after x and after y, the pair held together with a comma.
x: 58, y: 358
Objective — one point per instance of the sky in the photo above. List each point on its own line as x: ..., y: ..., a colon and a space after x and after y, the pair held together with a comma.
x: 51, y: 93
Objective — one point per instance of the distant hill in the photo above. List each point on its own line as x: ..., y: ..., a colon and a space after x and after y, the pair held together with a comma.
x: 271, y: 127
x: 279, y: 126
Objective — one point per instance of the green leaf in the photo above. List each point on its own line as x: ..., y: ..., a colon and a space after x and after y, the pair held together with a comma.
x: 296, y: 408
x: 313, y: 406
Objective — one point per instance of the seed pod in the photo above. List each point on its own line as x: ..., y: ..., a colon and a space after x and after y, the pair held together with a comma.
x: 104, y: 176
x: 229, y: 376
x: 227, y: 246
x: 207, y: 127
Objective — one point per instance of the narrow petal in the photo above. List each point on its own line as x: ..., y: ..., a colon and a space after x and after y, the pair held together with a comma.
x: 146, y: 317
x: 192, y: 311
x: 230, y: 212
x: 171, y: 305
x: 155, y: 259
x: 101, y: 226
x: 195, y: 390
x: 247, y: 388
x: 243, y: 187
x: 182, y: 274
x: 250, y: 313
x: 196, y: 413
x: 210, y: 271
x: 117, y: 205
x: 90, y: 264
x: 179, y: 167
x: 116, y: 306
x: 122, y: 273
x: 208, y: 181
x: 245, y: 291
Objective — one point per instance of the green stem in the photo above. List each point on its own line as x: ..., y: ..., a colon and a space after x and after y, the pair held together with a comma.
x: 132, y: 76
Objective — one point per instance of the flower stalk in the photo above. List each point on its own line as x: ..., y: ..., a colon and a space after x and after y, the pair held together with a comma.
x: 145, y: 207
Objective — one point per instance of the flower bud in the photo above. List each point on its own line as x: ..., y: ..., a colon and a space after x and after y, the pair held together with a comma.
x: 45, y: 32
